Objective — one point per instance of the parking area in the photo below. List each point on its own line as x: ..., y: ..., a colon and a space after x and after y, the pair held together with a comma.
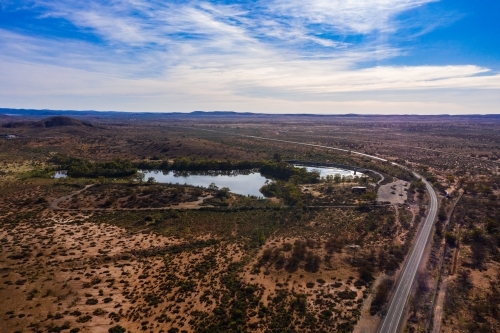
x: 395, y: 192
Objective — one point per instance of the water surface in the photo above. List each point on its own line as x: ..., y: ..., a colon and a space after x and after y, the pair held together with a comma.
x: 244, y: 183
x: 60, y: 174
x: 326, y: 171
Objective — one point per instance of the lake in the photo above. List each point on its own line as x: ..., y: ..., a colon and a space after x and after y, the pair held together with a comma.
x: 244, y: 182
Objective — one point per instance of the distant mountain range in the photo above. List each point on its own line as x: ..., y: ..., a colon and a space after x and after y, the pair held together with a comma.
x: 33, y: 113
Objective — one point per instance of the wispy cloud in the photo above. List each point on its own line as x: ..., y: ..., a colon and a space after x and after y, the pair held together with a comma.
x: 234, y: 54
x: 348, y: 16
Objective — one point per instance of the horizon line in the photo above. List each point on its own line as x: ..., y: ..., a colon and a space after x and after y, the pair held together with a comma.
x: 245, y: 112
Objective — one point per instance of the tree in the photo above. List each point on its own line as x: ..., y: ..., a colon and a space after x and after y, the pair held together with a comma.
x: 266, y: 255
x: 369, y: 196
x: 151, y: 180
x: 334, y: 245
x: 223, y: 193
x: 140, y: 177
x: 292, y: 194
x: 381, y: 296
x: 299, y: 303
x: 478, y: 254
x: 299, y: 249
x: 337, y: 178
x: 365, y: 273
x: 442, y: 214
x: 464, y: 279
x: 212, y: 186
x: 280, y: 261
x: 312, y: 262
x: 451, y: 239
x: 117, y: 329
x: 292, y: 264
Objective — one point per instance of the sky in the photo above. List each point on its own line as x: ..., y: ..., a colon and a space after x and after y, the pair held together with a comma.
x: 271, y: 56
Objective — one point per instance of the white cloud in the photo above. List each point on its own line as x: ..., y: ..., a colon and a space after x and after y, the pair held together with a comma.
x: 198, y: 55
x: 347, y: 16
x: 26, y: 85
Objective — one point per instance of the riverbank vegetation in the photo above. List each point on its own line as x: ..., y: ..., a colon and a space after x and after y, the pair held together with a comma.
x: 77, y: 167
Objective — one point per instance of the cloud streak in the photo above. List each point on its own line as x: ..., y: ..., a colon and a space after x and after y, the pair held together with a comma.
x: 348, y: 16
x: 232, y: 55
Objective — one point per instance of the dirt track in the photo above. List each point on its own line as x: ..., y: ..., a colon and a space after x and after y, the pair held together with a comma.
x: 54, y: 205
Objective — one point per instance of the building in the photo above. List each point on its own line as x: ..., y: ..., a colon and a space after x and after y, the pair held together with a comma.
x: 358, y: 189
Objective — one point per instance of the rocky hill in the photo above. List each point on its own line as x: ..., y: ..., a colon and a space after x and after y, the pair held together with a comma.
x: 57, y: 121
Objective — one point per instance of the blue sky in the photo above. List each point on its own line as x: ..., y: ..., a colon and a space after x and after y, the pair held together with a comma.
x: 319, y: 56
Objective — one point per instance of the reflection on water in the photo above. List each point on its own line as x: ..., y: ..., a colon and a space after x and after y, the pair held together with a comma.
x: 244, y: 182
x: 211, y: 173
x: 240, y: 182
x: 60, y: 174
x: 323, y: 172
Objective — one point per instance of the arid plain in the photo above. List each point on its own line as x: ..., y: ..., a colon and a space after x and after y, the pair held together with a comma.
x: 104, y: 250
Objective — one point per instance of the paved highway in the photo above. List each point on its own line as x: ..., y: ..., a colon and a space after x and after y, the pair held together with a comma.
x: 394, y: 317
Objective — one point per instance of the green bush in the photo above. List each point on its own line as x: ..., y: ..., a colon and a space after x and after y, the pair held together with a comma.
x: 117, y: 329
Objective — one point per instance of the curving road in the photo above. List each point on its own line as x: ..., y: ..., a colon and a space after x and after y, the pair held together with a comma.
x: 394, y: 317
x: 396, y: 312
x: 286, y: 141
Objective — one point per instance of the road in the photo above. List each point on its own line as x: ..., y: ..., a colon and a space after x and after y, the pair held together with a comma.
x: 55, y: 204
x: 286, y: 141
x: 394, y: 317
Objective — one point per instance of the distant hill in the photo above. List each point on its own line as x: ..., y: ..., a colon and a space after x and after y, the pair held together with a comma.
x: 56, y: 121
x: 99, y: 116
x: 62, y: 121
x: 6, y: 119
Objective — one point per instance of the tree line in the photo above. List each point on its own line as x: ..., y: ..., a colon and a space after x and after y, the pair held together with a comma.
x: 78, y: 167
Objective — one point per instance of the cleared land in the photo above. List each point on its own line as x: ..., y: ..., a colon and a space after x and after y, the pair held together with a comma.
x: 394, y: 193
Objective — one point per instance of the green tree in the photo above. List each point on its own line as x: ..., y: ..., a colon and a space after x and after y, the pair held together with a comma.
x: 140, y: 177
x: 312, y: 262
x: 117, y: 329
x: 451, y: 239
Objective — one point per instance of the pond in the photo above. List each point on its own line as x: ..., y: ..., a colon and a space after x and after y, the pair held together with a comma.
x: 244, y: 182
x: 326, y: 171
